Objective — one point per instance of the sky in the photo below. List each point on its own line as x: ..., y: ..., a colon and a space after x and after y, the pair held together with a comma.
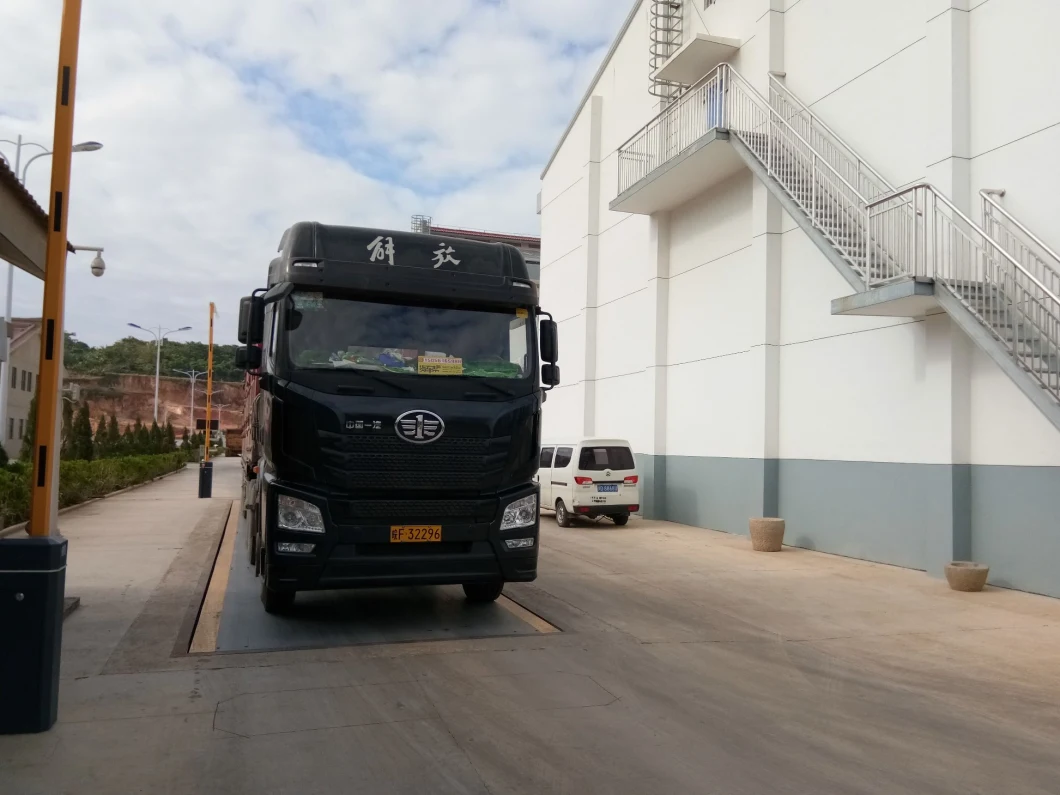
x: 225, y: 121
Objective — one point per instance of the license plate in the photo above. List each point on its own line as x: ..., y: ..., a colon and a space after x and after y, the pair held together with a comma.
x: 415, y: 533
x: 602, y: 487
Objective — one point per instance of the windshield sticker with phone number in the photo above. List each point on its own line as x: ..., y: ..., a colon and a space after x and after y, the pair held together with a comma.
x: 439, y: 365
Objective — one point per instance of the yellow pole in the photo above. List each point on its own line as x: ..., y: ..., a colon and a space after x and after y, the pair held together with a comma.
x: 44, y: 483
x: 209, y: 385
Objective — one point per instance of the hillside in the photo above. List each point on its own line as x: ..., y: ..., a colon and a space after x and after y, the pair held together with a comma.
x: 131, y: 397
x: 119, y: 379
x: 136, y: 356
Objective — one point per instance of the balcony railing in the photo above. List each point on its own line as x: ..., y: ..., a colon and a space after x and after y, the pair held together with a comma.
x: 698, y: 111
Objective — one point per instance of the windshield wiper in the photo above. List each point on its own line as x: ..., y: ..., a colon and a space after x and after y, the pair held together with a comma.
x: 484, y: 382
x: 375, y: 376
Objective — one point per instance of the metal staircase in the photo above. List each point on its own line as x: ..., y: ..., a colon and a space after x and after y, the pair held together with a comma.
x: 999, y: 283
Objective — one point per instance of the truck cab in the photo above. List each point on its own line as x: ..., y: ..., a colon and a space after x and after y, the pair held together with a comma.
x: 396, y: 418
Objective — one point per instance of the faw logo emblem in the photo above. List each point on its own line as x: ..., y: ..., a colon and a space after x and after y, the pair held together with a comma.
x: 419, y: 427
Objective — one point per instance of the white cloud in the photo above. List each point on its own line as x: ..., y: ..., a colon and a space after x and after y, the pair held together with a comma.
x: 224, y: 121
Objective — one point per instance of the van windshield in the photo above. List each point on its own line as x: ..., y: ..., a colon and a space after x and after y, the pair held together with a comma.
x: 597, y: 459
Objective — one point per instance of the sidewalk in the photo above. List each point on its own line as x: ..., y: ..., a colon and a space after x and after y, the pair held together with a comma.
x: 686, y: 664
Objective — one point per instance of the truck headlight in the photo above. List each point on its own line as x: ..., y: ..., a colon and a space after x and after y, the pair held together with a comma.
x: 521, y: 513
x: 299, y: 515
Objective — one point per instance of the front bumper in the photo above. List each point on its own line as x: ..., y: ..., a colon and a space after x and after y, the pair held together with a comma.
x: 360, y: 555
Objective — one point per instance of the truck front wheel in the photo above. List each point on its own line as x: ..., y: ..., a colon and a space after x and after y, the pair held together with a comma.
x: 481, y: 592
x: 275, y: 601
x: 252, y: 535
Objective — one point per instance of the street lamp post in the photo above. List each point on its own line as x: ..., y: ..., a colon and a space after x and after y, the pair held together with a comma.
x: 20, y: 175
x: 193, y: 376
x: 159, y: 336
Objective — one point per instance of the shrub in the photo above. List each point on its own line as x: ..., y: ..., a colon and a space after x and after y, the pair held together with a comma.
x: 80, y: 481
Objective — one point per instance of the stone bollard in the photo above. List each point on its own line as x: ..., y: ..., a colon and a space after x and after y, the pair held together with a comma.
x: 963, y: 575
x: 767, y: 535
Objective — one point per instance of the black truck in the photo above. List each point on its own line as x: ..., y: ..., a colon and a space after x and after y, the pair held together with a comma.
x: 395, y: 424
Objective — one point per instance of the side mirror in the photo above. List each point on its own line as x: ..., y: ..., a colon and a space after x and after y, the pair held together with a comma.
x: 248, y: 358
x: 549, y: 337
x: 550, y: 374
x: 251, y: 320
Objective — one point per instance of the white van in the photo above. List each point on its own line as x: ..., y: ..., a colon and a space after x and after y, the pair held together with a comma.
x: 593, y: 477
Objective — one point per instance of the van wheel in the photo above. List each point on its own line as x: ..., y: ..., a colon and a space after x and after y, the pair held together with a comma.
x: 481, y: 592
x: 621, y: 519
x: 562, y: 515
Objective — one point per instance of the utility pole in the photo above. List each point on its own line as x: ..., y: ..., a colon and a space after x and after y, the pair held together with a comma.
x: 29, y: 701
x: 206, y: 467
x: 44, y: 483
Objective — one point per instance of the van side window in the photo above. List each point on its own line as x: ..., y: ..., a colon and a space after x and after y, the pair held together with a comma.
x: 546, y: 456
x: 563, y: 456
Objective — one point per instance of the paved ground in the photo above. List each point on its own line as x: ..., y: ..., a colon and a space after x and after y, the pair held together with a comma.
x: 687, y: 664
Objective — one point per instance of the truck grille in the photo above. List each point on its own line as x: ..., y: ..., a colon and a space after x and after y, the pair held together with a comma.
x: 387, y: 511
x: 387, y: 462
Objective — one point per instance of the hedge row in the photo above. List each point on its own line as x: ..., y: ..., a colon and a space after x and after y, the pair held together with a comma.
x: 80, y: 481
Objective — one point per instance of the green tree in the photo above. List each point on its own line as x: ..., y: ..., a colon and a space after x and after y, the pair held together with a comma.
x: 26, y: 453
x: 74, y: 352
x: 102, y: 449
x: 169, y: 439
x: 66, y: 437
x: 113, y: 436
x: 185, y: 438
x: 128, y: 441
x: 142, y: 445
x: 156, y: 438
x: 81, y: 443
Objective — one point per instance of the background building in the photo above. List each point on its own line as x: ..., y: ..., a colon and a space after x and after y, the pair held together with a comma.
x: 530, y: 247
x: 21, y: 380
x: 738, y: 296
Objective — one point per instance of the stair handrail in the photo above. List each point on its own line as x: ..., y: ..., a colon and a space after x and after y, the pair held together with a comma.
x: 756, y: 96
x: 988, y: 198
x: 775, y: 81
x: 927, y: 186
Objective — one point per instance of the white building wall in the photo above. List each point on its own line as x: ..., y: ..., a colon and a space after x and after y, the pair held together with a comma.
x: 705, y: 335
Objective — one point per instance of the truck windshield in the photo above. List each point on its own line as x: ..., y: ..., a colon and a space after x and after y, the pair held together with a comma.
x: 328, y: 333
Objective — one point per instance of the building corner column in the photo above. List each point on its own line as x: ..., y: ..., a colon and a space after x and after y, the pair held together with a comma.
x: 767, y: 227
x: 592, y: 264
x: 949, y: 168
x: 653, y: 493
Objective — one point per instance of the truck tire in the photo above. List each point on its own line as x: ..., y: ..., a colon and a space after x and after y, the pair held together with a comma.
x: 482, y: 592
x: 562, y: 514
x: 275, y: 601
x: 252, y: 536
x: 620, y: 519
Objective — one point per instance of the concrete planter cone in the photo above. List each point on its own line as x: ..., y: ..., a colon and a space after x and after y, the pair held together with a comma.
x: 767, y: 535
x: 962, y: 575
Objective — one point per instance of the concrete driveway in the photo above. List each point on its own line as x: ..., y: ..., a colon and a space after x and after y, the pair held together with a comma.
x: 686, y: 664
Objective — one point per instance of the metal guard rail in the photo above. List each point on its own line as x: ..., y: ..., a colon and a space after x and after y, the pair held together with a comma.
x: 939, y: 196
x: 723, y: 112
